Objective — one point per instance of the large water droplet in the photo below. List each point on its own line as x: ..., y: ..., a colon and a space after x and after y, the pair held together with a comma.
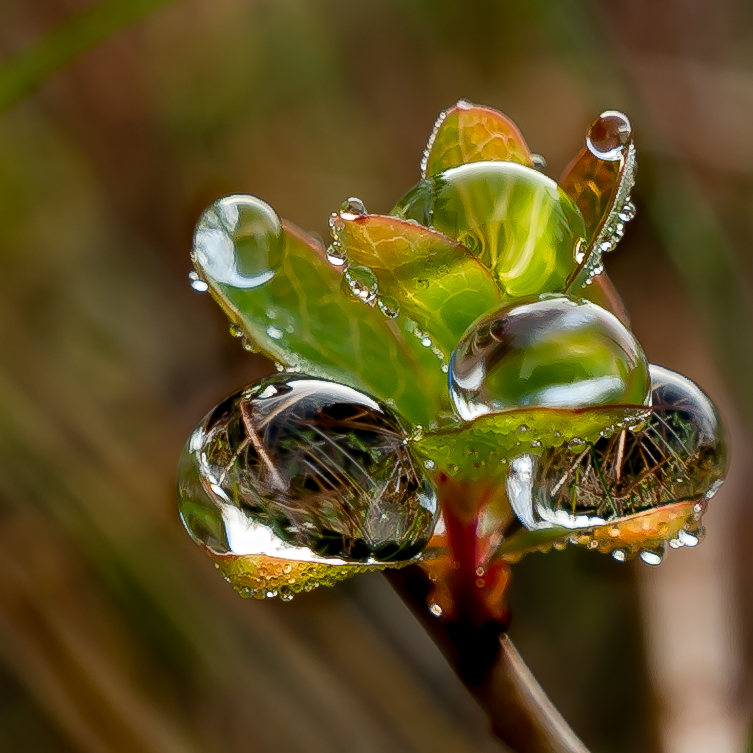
x: 556, y: 352
x: 238, y: 242
x: 519, y: 222
x: 676, y: 458
x: 306, y: 471
x: 608, y: 135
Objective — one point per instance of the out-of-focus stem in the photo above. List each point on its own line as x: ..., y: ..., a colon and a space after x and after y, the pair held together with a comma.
x: 519, y: 711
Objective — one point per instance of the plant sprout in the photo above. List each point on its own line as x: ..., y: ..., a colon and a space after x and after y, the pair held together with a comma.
x: 458, y: 385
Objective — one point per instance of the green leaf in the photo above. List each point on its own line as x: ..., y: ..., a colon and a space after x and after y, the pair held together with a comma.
x: 21, y: 74
x: 519, y: 223
x: 435, y: 280
x: 483, y: 448
x: 275, y: 284
x: 599, y: 181
x: 471, y: 133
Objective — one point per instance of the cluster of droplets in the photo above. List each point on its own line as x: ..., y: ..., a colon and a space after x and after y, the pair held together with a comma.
x: 610, y: 139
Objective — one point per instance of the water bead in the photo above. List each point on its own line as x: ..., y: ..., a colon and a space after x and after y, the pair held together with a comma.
x: 608, y: 135
x: 304, y: 470
x: 674, y: 462
x: 519, y: 222
x: 239, y: 242
x: 555, y: 352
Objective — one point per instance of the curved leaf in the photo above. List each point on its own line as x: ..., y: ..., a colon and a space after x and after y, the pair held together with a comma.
x: 471, y: 133
x: 599, y: 181
x: 275, y: 284
x: 435, y: 280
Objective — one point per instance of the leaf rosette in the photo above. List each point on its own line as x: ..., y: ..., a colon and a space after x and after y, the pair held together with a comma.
x: 459, y: 384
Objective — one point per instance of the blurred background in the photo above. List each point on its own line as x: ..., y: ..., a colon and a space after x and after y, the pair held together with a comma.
x: 116, y: 633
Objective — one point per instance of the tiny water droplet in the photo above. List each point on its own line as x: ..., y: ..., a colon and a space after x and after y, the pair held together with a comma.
x: 335, y: 255
x: 619, y: 555
x: 275, y: 332
x: 354, y: 206
x: 430, y: 465
x: 686, y: 538
x: 236, y: 330
x: 360, y: 283
x: 426, y: 341
x: 579, y: 252
x: 388, y: 306
x: 608, y: 135
x: 576, y: 444
x: 627, y: 212
x: 652, y: 557
x: 249, y: 346
x: 539, y: 161
x: 197, y: 283
x: 435, y: 609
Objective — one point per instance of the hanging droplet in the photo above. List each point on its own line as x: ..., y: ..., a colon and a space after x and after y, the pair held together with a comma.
x: 236, y: 330
x: 652, y: 557
x: 556, y: 352
x: 645, y: 486
x: 353, y: 205
x: 238, y: 242
x: 609, y: 135
x: 360, y: 283
x: 304, y: 471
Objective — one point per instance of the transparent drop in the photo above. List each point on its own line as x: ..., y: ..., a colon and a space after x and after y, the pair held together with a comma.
x: 518, y: 221
x: 353, y: 205
x: 238, y: 242
x: 388, y: 306
x: 305, y: 471
x: 653, y: 557
x: 435, y: 609
x: 609, y: 135
x: 360, y: 283
x: 556, y: 352
x: 678, y: 456
x: 275, y: 332
x: 236, y: 331
x: 619, y: 555
x: 199, y: 285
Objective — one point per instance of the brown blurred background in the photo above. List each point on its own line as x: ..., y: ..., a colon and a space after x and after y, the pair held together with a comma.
x: 116, y: 633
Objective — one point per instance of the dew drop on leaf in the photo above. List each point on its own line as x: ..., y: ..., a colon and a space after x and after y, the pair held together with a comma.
x: 298, y: 470
x: 556, y: 352
x: 631, y: 487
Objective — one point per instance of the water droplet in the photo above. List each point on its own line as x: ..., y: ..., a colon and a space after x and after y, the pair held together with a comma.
x: 627, y: 212
x: 619, y: 555
x: 652, y: 557
x: 275, y: 332
x: 556, y: 352
x: 304, y: 472
x: 608, y: 135
x: 353, y: 206
x: 430, y: 465
x: 249, y: 346
x: 236, y: 331
x: 197, y: 283
x: 678, y: 455
x: 580, y: 251
x: 360, y: 283
x: 238, y: 242
x: 335, y: 255
x: 539, y: 161
x: 509, y: 199
x: 435, y: 609
x: 426, y: 341
x: 388, y: 306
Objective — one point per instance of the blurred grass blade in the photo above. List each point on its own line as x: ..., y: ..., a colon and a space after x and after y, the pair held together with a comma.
x: 22, y: 73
